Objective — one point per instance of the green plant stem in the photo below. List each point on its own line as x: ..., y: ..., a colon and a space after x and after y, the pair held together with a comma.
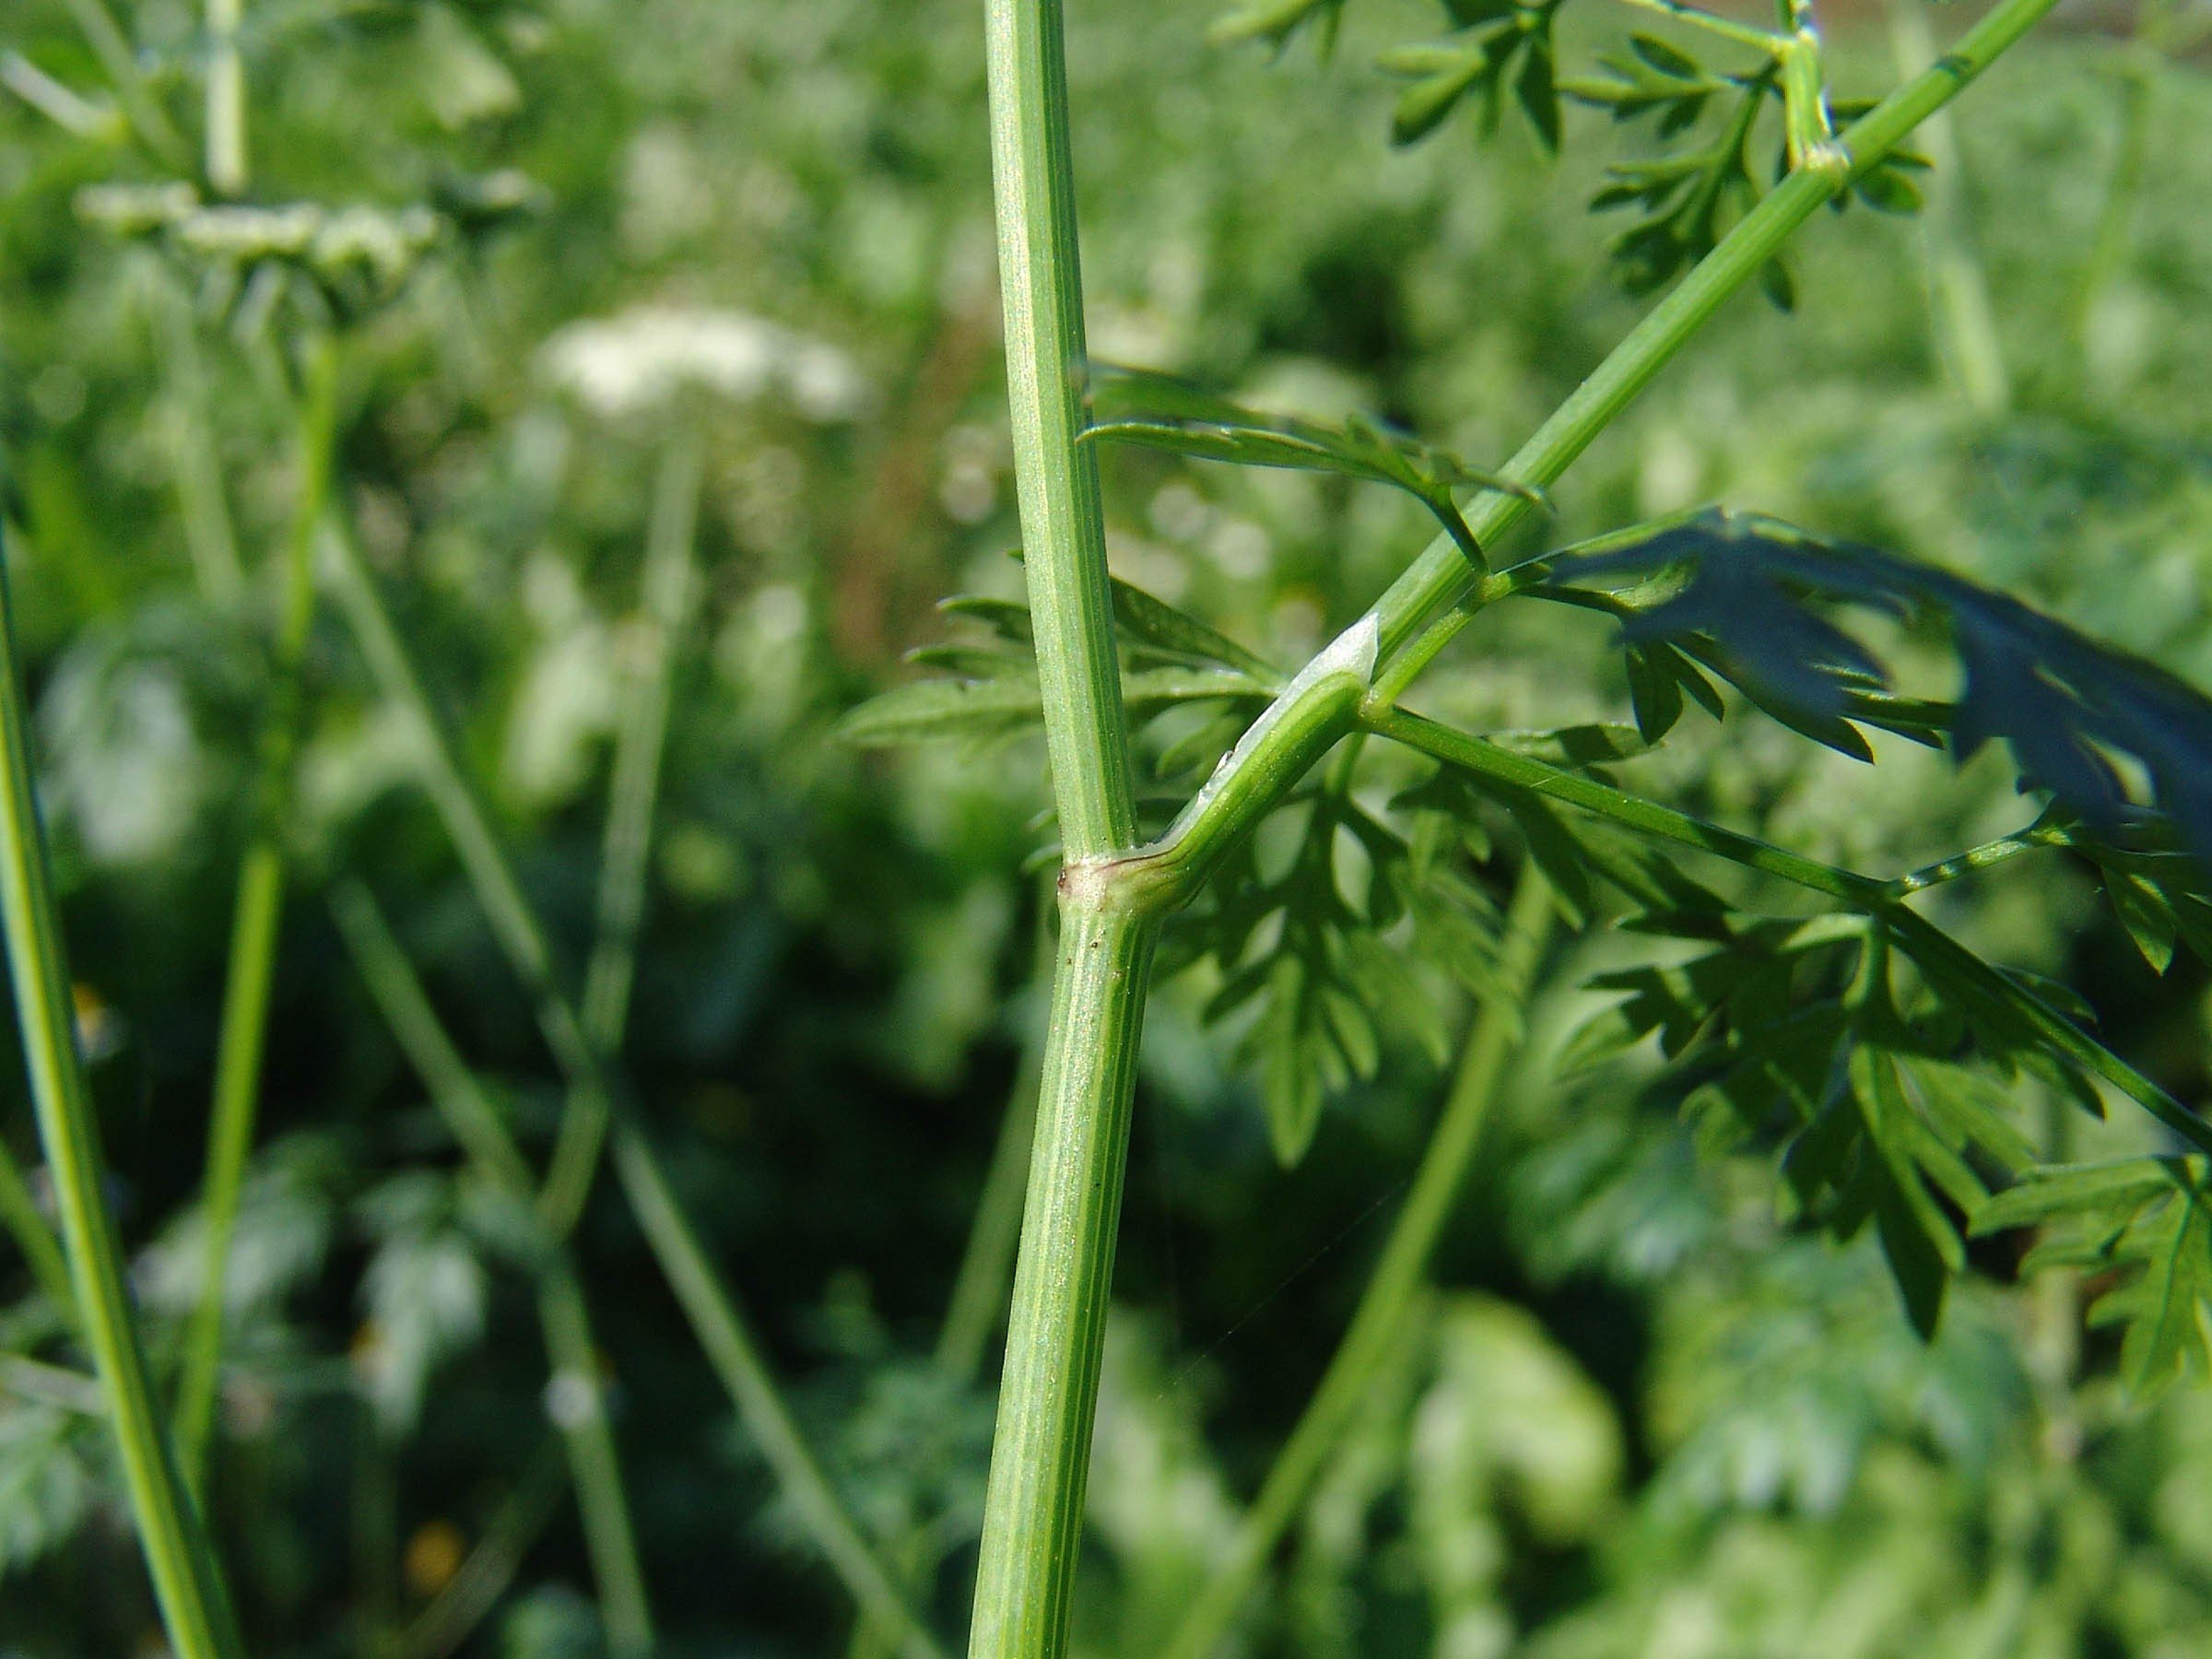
x: 706, y: 1301
x: 1062, y: 529
x: 180, y: 1556
x: 1040, y: 1452
x: 1759, y: 39
x: 256, y: 918
x: 1393, y: 1290
x: 736, y: 1359
x: 641, y: 735
x: 209, y: 536
x: 1441, y: 575
x: 1974, y: 860
x: 577, y: 1400
x: 226, y: 100
x: 42, y: 1251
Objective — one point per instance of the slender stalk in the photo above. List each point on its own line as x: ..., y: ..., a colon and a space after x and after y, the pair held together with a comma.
x: 683, y: 1262
x: 209, y: 536
x: 179, y: 1554
x: 255, y: 920
x: 577, y: 1400
x: 736, y: 1359
x: 226, y: 100
x: 640, y: 734
x: 1442, y: 574
x: 1391, y: 1293
x: 42, y: 1251
x: 1041, y: 282
x: 1048, y: 1393
x: 1110, y: 912
x: 1485, y: 760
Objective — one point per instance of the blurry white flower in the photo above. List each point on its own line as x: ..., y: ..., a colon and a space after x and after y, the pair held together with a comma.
x: 645, y: 357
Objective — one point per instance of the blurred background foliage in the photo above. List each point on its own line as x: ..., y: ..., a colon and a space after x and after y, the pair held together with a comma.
x: 1639, y: 1416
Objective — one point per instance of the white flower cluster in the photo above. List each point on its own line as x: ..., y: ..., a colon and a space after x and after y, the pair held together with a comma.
x: 643, y: 357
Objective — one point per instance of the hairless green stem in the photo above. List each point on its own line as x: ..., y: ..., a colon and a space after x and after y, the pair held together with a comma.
x: 1392, y: 1289
x: 179, y: 1554
x: 1442, y: 575
x: 256, y: 916
x: 716, y: 1321
x: 1109, y: 910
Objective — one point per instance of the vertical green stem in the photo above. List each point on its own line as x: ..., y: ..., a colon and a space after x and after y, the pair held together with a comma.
x: 1048, y: 1393
x: 226, y: 100
x: 1040, y: 283
x: 255, y: 919
x: 1390, y: 1292
x: 187, y: 1579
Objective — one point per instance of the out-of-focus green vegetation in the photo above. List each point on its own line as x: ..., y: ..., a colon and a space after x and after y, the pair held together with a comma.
x: 1639, y: 1414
